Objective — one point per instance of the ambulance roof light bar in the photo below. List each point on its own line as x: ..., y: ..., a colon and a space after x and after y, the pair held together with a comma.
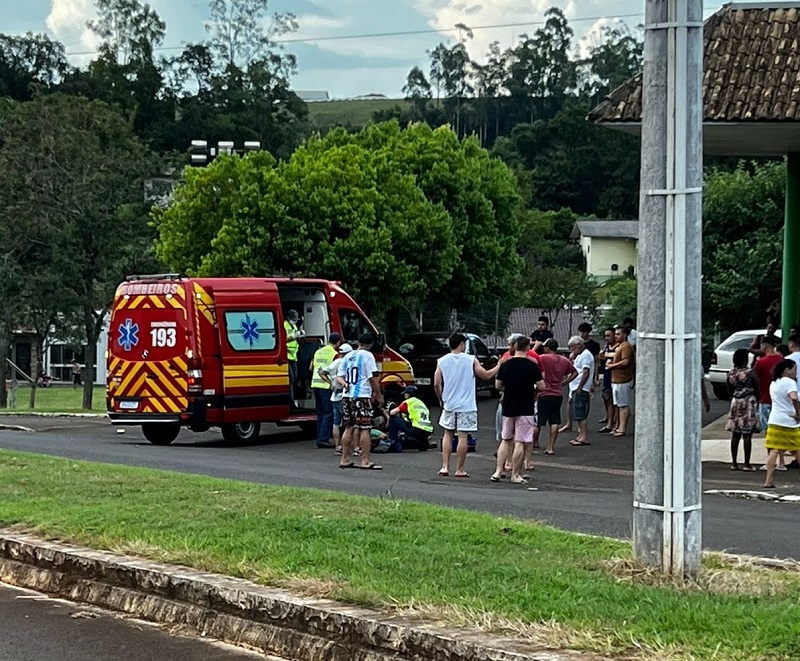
x: 155, y: 276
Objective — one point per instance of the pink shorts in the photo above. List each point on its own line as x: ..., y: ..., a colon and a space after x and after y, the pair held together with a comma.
x: 519, y: 429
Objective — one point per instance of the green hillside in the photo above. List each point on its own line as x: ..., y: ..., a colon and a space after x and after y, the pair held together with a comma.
x: 352, y: 112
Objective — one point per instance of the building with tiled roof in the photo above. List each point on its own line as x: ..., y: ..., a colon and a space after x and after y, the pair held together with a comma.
x: 609, y: 247
x: 751, y: 81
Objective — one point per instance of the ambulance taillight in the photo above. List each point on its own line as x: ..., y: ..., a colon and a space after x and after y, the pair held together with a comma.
x: 194, y: 379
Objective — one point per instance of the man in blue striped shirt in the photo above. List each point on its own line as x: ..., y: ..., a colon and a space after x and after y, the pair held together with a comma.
x: 358, y: 375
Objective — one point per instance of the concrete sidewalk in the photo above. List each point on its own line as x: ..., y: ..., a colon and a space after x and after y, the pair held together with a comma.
x: 716, y: 444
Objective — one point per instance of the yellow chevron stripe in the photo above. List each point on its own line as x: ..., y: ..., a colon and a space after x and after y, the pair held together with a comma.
x: 157, y: 302
x: 130, y: 376
x: 135, y: 302
x: 244, y: 382
x: 165, y: 380
x: 205, y: 304
x: 255, y: 370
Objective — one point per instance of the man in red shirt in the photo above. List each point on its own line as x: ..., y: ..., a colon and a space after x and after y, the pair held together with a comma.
x: 763, y: 369
x: 558, y: 372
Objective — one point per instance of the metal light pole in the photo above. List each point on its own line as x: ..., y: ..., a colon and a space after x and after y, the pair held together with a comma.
x: 667, y: 474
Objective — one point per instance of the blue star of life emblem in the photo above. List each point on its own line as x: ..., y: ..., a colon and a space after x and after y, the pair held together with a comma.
x: 128, y: 335
x: 250, y: 330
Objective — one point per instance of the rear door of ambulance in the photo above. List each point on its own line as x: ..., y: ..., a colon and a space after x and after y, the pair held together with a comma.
x: 148, y: 346
x: 254, y: 365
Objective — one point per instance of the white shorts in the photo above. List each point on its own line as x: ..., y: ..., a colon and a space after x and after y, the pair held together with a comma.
x: 621, y: 392
x: 461, y: 421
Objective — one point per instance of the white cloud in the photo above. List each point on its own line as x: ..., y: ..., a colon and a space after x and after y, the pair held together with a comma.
x: 445, y: 14
x: 67, y: 23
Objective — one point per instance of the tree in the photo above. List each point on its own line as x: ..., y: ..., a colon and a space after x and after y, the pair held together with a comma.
x: 83, y: 169
x: 620, y: 297
x: 554, y: 288
x: 400, y: 216
x: 28, y: 61
x: 417, y: 90
x: 616, y: 58
x: 128, y: 29
x: 242, y: 32
x: 743, y: 215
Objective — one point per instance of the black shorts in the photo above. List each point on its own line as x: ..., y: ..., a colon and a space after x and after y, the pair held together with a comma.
x: 357, y: 413
x: 549, y: 410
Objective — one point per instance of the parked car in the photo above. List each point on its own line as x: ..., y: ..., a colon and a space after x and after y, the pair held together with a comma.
x: 422, y: 350
x: 722, y: 359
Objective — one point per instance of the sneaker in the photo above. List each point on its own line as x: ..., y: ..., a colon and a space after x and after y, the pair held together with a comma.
x: 382, y: 446
x: 780, y: 468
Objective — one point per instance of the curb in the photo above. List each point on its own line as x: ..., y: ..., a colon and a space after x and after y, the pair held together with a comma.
x: 747, y: 494
x: 270, y: 620
x: 39, y: 414
x: 15, y: 428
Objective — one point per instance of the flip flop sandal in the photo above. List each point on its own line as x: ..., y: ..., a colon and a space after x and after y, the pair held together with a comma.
x: 618, y: 434
x: 576, y: 443
x: 604, y: 430
x: 371, y: 467
x: 350, y: 465
x: 549, y: 452
x: 494, y: 478
x: 768, y: 486
x: 735, y: 468
x: 443, y: 473
x: 462, y: 475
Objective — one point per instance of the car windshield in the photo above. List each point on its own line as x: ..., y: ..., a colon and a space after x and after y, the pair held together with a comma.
x: 734, y: 343
x: 424, y: 345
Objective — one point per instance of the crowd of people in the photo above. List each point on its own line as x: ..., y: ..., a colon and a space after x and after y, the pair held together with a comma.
x: 531, y: 377
x: 764, y: 384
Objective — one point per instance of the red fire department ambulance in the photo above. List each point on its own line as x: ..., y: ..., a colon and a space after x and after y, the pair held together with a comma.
x: 203, y: 352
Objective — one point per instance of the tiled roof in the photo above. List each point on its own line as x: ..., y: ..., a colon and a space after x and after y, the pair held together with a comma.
x: 751, y: 68
x: 606, y: 229
x: 523, y: 320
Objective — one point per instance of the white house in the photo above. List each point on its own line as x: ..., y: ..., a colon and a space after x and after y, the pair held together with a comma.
x: 609, y: 246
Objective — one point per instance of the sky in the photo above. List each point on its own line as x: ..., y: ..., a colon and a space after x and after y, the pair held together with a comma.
x: 345, y: 67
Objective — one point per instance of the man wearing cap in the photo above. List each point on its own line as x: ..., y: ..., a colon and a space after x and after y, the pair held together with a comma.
x: 337, y: 392
x: 322, y: 390
x: 411, y: 418
x: 293, y: 333
x: 358, y: 374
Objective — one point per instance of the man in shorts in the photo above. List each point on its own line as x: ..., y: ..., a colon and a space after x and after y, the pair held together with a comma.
x: 581, y: 387
x: 358, y: 374
x: 454, y: 383
x: 622, y: 370
x: 518, y: 379
x: 558, y: 372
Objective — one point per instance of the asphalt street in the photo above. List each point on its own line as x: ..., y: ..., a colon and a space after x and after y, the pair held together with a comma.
x: 585, y: 489
x: 37, y: 628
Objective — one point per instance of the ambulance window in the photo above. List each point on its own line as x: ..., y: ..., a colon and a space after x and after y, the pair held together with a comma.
x: 353, y: 326
x: 251, y: 330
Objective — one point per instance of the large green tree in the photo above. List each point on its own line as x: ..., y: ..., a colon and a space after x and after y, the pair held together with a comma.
x: 743, y: 215
x: 400, y: 216
x: 82, y: 169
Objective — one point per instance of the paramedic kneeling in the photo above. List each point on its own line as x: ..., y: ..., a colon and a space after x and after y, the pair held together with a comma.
x: 411, y: 418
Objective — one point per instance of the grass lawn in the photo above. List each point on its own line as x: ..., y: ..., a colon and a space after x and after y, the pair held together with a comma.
x: 59, y: 399
x: 505, y: 575
x: 354, y: 113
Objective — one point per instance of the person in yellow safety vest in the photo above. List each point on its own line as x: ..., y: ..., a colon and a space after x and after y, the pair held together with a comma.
x: 292, y: 327
x: 323, y: 357
x: 413, y: 419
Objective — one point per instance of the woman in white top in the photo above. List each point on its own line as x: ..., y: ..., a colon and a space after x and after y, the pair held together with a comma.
x: 783, y: 430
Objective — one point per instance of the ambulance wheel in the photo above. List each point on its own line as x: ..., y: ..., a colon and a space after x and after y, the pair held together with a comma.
x: 241, y: 432
x: 161, y: 434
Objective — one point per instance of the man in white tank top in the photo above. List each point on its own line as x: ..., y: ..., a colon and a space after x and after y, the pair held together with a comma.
x: 454, y: 383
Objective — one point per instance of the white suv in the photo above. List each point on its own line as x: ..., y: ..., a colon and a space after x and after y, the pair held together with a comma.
x: 722, y: 360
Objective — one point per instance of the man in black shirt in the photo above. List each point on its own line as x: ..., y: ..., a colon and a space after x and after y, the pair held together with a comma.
x: 518, y: 379
x: 585, y: 331
x: 542, y: 333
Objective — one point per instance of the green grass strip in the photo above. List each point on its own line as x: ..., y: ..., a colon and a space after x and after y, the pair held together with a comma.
x: 58, y: 399
x: 506, y: 573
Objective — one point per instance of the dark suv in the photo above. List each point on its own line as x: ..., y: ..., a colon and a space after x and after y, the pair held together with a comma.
x: 422, y: 350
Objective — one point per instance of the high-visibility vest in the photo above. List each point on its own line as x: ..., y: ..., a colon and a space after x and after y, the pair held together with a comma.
x: 291, y: 341
x: 322, y: 358
x: 418, y: 414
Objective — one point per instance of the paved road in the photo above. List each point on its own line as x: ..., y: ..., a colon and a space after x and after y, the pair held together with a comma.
x: 585, y: 489
x: 36, y: 628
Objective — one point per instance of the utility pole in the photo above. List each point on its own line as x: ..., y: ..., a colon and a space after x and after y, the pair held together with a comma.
x: 667, y: 473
